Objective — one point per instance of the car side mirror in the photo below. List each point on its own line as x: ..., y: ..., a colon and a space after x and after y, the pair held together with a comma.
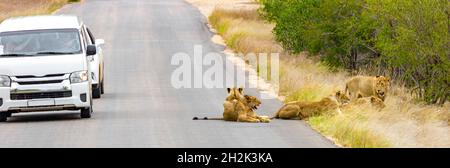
x: 99, y: 41
x: 91, y: 50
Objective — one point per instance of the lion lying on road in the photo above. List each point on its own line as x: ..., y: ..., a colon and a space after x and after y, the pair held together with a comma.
x: 239, y: 107
x: 367, y: 86
x: 302, y: 110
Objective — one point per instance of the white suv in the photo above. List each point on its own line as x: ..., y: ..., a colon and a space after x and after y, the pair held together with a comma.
x: 96, y: 64
x: 45, y: 65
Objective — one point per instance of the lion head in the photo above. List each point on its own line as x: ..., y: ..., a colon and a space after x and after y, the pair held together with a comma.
x: 235, y: 94
x: 381, y: 86
x: 377, y: 102
x: 342, y: 98
x: 252, y: 102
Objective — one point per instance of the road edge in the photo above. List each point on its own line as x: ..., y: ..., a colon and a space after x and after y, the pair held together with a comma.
x: 239, y: 62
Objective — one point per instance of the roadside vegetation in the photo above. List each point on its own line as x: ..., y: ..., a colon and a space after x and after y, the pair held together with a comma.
x: 309, y: 75
x: 12, y: 8
x: 406, y: 40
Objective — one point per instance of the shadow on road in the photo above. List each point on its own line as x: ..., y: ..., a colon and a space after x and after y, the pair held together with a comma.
x: 44, y: 116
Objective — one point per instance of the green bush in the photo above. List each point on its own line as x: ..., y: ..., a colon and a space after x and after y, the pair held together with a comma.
x: 407, y: 40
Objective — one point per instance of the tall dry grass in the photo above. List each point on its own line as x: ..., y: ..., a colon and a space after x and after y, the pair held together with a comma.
x: 403, y: 123
x: 238, y: 28
x: 12, y: 8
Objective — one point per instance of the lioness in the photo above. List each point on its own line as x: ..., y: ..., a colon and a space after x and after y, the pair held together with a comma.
x: 367, y: 86
x: 239, y: 107
x: 375, y: 102
x: 302, y: 110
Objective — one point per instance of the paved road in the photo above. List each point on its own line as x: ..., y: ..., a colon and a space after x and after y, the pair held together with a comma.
x: 141, y: 108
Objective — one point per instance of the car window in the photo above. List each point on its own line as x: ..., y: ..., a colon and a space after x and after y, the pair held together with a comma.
x: 36, y: 42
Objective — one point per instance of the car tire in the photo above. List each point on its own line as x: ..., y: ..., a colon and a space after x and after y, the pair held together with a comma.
x: 102, y: 86
x: 87, y: 112
x: 4, y: 116
x: 97, y: 92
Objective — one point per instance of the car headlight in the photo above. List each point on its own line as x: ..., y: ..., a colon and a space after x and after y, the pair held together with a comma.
x: 78, y: 77
x: 5, y: 81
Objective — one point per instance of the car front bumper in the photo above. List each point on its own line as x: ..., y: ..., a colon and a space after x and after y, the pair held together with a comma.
x: 79, y: 99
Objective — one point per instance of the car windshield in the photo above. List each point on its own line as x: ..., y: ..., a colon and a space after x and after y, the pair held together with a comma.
x: 40, y: 42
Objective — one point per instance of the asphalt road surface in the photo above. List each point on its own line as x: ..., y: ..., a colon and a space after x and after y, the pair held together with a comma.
x: 140, y: 107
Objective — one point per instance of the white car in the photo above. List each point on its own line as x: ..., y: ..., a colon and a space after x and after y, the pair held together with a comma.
x: 96, y: 65
x: 45, y: 65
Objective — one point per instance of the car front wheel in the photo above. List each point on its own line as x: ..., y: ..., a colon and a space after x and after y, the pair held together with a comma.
x: 87, y: 112
x: 97, y: 92
x: 4, y: 116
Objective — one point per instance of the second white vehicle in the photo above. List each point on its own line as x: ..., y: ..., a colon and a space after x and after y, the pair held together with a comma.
x: 97, y: 65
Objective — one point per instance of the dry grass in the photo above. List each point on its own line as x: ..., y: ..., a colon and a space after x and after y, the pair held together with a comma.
x: 206, y: 7
x: 238, y: 28
x: 11, y: 8
x: 403, y: 123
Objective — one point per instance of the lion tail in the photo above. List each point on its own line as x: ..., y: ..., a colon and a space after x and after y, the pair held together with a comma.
x: 207, y: 118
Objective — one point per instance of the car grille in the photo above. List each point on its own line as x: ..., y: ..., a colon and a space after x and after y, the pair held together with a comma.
x: 43, y: 95
x: 39, y: 82
x: 46, y: 76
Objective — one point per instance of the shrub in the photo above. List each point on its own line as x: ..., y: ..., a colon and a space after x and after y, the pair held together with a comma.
x: 408, y: 40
